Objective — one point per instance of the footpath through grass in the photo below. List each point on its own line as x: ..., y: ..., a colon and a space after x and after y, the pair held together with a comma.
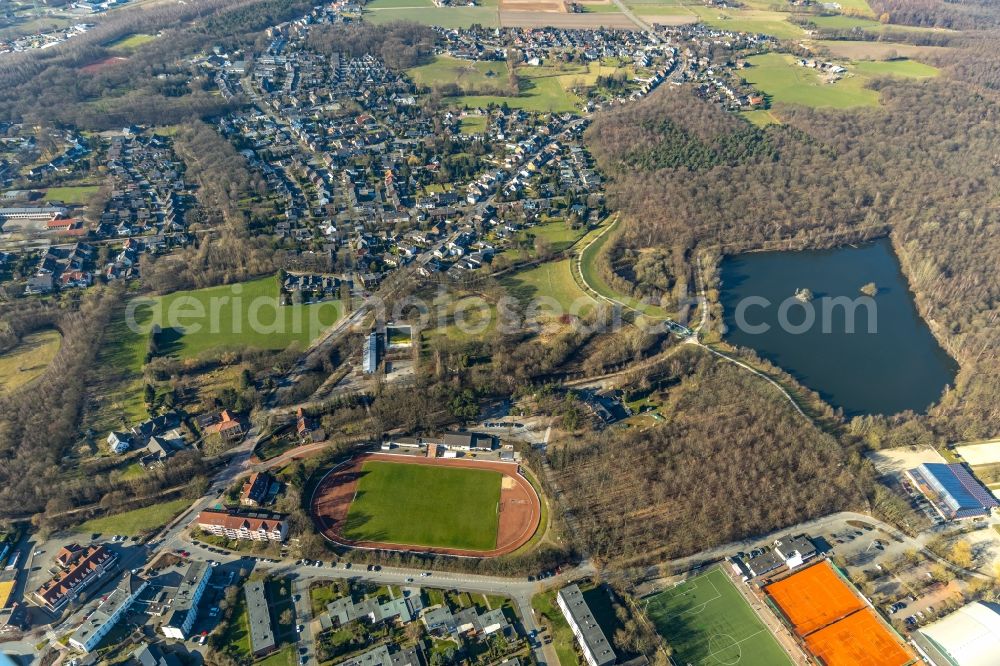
x: 137, y: 522
x: 707, y: 621
x: 425, y: 505
x: 590, y: 256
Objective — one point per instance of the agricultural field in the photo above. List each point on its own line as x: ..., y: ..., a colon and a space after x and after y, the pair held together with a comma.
x: 138, y: 522
x: 553, y: 280
x: 708, y: 622
x: 778, y: 77
x: 424, y: 505
x: 903, y: 68
x: 445, y: 17
x: 877, y: 50
x: 79, y: 194
x: 244, y: 315
x: 749, y: 20
x: 28, y: 360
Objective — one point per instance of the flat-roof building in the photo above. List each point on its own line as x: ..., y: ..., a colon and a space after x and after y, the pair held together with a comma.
x: 795, y: 550
x: 381, y: 656
x: 370, y: 360
x: 952, y: 490
x: 968, y: 637
x: 100, y: 623
x: 596, y: 648
x: 259, y: 615
x: 184, y: 606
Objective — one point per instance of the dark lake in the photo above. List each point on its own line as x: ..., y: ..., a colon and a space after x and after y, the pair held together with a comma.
x: 899, y: 366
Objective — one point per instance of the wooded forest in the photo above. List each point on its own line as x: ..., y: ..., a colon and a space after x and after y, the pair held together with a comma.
x: 733, y: 459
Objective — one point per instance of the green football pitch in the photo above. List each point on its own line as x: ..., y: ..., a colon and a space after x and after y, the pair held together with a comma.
x: 425, y: 505
x: 707, y: 622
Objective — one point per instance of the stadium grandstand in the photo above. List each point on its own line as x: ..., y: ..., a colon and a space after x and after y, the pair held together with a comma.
x: 952, y: 490
x: 968, y: 637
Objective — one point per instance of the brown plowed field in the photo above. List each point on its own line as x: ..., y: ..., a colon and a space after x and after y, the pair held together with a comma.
x: 520, y: 506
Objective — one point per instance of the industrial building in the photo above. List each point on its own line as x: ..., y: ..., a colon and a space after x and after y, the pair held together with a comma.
x: 594, y: 644
x: 968, y: 637
x: 259, y: 615
x: 370, y: 355
x: 952, y: 490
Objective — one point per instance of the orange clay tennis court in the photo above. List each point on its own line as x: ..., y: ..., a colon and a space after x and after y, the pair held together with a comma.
x: 835, y: 623
x: 857, y: 640
x: 813, y: 598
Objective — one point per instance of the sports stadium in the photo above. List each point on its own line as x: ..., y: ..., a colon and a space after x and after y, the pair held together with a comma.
x: 454, y: 506
x: 835, y: 624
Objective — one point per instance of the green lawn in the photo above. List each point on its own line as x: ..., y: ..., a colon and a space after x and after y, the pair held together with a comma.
x: 760, y: 117
x: 706, y: 621
x: 446, y: 17
x: 28, y: 360
x: 897, y: 68
x: 131, y: 42
x: 778, y: 77
x: 243, y: 315
x: 474, y: 125
x: 138, y: 522
x: 79, y: 194
x: 562, y: 635
x: 236, y: 635
x: 859, y: 7
x: 468, y: 75
x: 557, y: 233
x: 425, y: 505
x: 283, y: 657
x: 553, y: 280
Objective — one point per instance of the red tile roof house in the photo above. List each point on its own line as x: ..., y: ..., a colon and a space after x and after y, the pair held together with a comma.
x: 81, y: 567
x: 245, y: 526
x: 255, y: 490
x: 230, y: 429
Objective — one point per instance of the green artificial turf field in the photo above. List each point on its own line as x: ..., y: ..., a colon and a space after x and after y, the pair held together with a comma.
x: 707, y: 622
x: 246, y: 315
x: 425, y: 505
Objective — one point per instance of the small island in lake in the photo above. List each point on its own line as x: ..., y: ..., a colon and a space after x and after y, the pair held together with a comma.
x: 804, y: 295
x: 869, y: 289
